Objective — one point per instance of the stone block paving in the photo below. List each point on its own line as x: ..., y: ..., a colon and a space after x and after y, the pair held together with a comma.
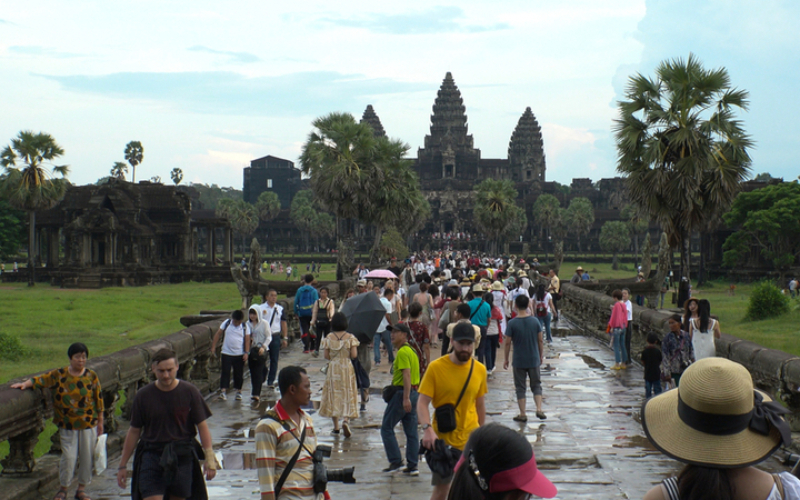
x: 591, y: 445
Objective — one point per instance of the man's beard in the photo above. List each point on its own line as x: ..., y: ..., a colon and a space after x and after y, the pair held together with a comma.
x: 463, y: 356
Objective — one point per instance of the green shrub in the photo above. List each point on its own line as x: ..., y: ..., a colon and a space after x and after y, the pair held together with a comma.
x: 11, y: 348
x: 766, y: 301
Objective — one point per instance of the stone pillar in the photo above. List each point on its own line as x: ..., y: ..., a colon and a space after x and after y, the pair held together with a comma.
x: 52, y: 247
x: 212, y: 242
x: 20, y: 455
x: 195, y: 244
x: 227, y: 246
x: 109, y: 249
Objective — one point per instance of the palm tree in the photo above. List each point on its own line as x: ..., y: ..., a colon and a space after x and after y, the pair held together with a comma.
x: 119, y: 170
x: 176, y: 175
x: 579, y: 217
x: 495, y: 209
x: 339, y: 155
x: 545, y: 213
x: 637, y: 224
x: 268, y: 206
x: 682, y: 148
x: 134, y: 154
x: 32, y: 187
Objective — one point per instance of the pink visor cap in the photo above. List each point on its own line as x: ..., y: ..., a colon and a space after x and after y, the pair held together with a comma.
x: 525, y: 477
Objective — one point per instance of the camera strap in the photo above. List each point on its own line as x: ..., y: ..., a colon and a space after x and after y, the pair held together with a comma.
x: 290, y: 465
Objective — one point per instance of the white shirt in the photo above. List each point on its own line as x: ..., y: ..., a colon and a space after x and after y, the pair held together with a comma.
x: 233, y: 344
x: 629, y: 307
x: 389, y: 309
x: 547, y: 299
x: 266, y: 315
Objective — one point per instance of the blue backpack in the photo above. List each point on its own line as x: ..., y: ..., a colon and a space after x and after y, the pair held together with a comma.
x: 305, y: 303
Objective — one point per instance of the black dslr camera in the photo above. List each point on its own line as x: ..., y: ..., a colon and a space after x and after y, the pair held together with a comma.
x: 322, y: 474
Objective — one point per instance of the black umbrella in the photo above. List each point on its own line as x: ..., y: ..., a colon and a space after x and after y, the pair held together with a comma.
x: 364, y: 314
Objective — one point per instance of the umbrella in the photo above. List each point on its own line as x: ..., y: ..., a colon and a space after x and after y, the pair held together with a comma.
x: 381, y: 273
x: 364, y: 314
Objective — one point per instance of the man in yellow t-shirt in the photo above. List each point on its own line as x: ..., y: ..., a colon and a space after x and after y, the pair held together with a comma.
x: 442, y: 384
x: 402, y: 406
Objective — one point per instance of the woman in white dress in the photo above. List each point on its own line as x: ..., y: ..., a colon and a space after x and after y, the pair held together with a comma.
x: 339, y: 393
x: 703, y: 331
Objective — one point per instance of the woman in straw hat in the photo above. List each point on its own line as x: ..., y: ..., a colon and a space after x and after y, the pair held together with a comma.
x: 719, y: 426
x: 498, y: 464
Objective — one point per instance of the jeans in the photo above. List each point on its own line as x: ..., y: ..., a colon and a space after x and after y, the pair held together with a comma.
x: 652, y: 388
x: 620, y: 355
x: 256, y: 365
x: 237, y: 363
x: 305, y: 334
x: 274, y: 353
x: 385, y: 337
x: 393, y: 414
x: 488, y: 350
x: 545, y: 322
x: 323, y: 329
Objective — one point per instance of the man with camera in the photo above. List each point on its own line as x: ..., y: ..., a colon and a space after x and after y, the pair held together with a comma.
x: 456, y: 385
x: 288, y: 459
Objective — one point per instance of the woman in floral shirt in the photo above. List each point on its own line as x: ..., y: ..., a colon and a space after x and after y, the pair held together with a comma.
x: 676, y: 350
x: 420, y: 339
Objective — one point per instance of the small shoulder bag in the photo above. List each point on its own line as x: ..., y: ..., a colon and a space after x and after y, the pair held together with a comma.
x: 446, y: 414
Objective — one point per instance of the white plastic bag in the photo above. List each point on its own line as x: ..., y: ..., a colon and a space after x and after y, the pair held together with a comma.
x: 100, y: 454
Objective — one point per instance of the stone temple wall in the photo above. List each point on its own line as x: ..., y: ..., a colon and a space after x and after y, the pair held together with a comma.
x: 775, y: 372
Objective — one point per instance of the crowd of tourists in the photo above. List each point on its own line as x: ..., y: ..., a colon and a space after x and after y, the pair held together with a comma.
x: 446, y: 315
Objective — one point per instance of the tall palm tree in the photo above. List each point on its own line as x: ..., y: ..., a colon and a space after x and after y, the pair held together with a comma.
x: 681, y: 147
x: 579, y: 217
x: 33, y: 187
x: 134, y: 154
x: 545, y: 213
x: 119, y: 170
x: 339, y: 155
x: 495, y: 209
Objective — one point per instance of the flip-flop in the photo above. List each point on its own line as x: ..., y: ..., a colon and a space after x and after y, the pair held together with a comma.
x: 81, y: 495
x: 520, y: 418
x: 61, y: 495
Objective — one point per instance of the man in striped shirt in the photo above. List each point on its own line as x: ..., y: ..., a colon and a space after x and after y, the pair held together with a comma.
x: 278, y: 438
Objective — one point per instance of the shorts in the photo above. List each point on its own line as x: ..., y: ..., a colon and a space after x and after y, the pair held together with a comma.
x: 521, y: 376
x: 151, y: 478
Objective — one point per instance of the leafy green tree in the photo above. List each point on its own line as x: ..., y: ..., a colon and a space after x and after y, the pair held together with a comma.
x: 681, y: 147
x: 12, y: 229
x: 546, y: 215
x: 134, y: 154
x: 268, y: 206
x: 767, y: 219
x: 176, y: 175
x: 496, y: 211
x: 210, y: 195
x: 579, y: 217
x: 637, y: 225
x: 303, y: 212
x: 33, y: 186
x: 119, y: 170
x: 615, y: 237
x: 243, y: 218
x: 393, y: 245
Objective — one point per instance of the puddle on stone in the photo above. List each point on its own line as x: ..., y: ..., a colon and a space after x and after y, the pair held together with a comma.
x: 634, y: 442
x: 592, y: 362
x: 589, y: 404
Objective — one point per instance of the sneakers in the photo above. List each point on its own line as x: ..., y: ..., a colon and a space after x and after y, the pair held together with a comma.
x: 411, y: 472
x: 393, y: 467
x: 315, y: 354
x: 306, y: 351
x: 238, y: 396
x: 223, y: 396
x: 363, y: 408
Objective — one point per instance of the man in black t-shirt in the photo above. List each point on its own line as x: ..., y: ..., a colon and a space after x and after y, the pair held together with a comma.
x: 166, y: 416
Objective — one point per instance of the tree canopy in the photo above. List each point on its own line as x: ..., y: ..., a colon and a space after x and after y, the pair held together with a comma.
x: 496, y: 211
x: 119, y: 170
x: 681, y: 147
x: 134, y: 154
x: 176, y: 175
x: 579, y: 217
x: 615, y: 238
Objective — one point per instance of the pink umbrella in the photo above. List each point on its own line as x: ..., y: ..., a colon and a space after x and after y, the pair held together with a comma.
x: 381, y: 273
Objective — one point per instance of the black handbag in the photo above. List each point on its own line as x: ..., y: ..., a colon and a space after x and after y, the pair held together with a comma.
x: 446, y: 414
x: 389, y: 391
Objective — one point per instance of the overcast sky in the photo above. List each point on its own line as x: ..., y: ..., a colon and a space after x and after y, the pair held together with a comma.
x: 209, y: 86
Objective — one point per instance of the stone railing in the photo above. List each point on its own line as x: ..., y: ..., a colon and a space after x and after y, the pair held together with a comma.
x: 23, y: 413
x: 775, y: 372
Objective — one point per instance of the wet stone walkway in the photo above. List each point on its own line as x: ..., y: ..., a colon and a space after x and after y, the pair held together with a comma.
x: 591, y: 445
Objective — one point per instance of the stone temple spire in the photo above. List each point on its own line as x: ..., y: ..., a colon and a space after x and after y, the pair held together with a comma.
x: 526, y: 149
x: 449, y: 119
x: 371, y: 118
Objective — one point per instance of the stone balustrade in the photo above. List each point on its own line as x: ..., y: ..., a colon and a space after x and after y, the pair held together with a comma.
x: 23, y: 413
x: 775, y: 372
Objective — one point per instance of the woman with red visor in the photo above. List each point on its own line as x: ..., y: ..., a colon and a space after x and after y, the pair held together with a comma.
x: 498, y: 464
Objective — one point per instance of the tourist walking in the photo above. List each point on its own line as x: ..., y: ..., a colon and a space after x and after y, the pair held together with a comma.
x: 494, y: 332
x: 420, y: 339
x: 543, y: 307
x: 479, y: 315
x: 304, y: 300
x: 676, y: 349
x: 617, y: 324
x: 554, y: 289
x: 703, y: 331
x: 323, y: 311
x: 626, y: 299
x: 518, y: 290
x: 424, y: 299
x: 339, y: 392
x: 401, y: 404
x: 235, y: 334
x: 77, y: 412
x: 701, y: 425
x: 383, y: 335
x: 286, y: 431
x: 453, y: 294
x: 498, y: 463
x: 260, y: 338
x: 525, y: 333
x: 461, y: 315
x: 651, y: 360
x: 275, y: 316
x: 459, y: 381
x: 166, y: 459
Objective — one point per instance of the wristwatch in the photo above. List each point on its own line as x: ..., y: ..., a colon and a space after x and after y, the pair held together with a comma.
x: 426, y: 427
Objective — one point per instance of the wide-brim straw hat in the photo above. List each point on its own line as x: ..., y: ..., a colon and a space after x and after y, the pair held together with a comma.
x: 714, y: 417
x: 497, y: 286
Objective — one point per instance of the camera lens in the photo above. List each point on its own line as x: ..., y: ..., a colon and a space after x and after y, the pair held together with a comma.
x: 344, y: 475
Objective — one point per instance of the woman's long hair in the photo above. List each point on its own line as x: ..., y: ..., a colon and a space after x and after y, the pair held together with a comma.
x: 540, y: 293
x: 704, y: 311
x: 705, y: 483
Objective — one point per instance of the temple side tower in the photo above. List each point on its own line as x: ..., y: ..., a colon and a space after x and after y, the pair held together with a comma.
x: 526, y: 150
x: 371, y: 118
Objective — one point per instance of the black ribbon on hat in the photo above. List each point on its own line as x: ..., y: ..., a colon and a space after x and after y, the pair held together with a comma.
x: 764, y: 416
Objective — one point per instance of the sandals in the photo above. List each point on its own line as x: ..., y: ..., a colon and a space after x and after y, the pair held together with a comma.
x: 61, y: 495
x: 540, y: 415
x: 520, y: 418
x: 81, y: 495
